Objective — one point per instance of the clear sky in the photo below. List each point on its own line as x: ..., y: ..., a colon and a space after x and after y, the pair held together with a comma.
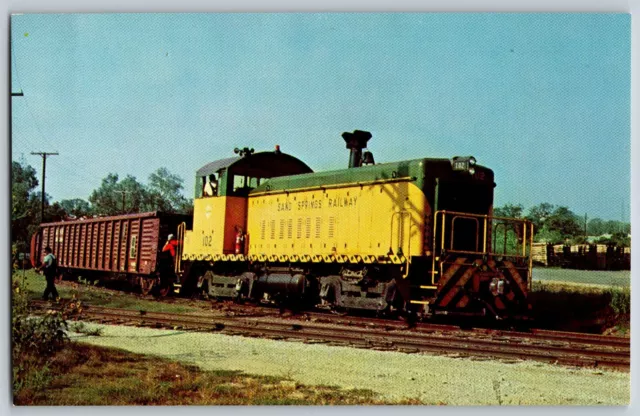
x: 542, y: 99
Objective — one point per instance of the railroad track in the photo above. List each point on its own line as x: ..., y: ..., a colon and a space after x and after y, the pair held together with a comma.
x: 564, y: 348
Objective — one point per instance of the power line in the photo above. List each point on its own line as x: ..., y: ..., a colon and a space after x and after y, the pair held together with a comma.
x: 64, y: 166
x: 44, y: 169
x: 35, y: 119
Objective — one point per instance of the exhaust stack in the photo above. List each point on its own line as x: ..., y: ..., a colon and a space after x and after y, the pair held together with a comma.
x: 356, y: 141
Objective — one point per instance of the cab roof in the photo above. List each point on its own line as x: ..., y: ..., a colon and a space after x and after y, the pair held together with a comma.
x: 259, y: 165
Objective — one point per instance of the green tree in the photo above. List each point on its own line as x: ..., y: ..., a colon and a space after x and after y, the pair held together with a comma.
x: 509, y: 211
x: 25, y: 203
x: 165, y: 192
x: 566, y: 222
x: 621, y: 239
x: 54, y: 212
x: 539, y: 213
x: 595, y: 226
x: 76, y: 207
x: 555, y: 224
x: 107, y: 199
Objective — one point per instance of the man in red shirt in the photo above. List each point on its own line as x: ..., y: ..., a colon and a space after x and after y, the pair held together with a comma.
x: 171, y: 246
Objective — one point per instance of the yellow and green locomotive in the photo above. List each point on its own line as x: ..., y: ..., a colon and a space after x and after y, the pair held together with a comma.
x: 416, y: 235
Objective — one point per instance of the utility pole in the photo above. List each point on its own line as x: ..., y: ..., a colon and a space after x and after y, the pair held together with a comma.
x: 123, y: 196
x: 44, y: 169
x: 585, y: 226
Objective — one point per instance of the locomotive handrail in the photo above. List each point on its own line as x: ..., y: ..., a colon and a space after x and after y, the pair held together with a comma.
x: 400, y: 231
x: 179, y: 248
x: 485, y: 250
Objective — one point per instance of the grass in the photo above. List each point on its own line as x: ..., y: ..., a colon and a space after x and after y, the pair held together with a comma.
x: 583, y: 277
x: 99, y: 296
x: 87, y: 375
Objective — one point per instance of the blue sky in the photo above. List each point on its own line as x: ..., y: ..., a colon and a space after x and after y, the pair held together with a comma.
x: 542, y: 99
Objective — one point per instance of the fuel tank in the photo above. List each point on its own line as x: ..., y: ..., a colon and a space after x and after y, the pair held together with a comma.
x: 279, y: 285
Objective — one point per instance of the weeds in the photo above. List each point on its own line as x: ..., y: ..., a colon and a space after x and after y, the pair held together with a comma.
x: 34, y: 341
x: 574, y: 307
x: 88, y: 282
x: 620, y: 300
x: 81, y: 328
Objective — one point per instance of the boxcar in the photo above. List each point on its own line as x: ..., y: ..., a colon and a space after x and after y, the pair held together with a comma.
x: 124, y: 246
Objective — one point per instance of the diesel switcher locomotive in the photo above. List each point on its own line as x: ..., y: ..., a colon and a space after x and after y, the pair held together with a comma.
x: 416, y: 236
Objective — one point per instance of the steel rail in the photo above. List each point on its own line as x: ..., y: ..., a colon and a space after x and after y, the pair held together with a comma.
x: 566, y: 352
x: 533, y: 335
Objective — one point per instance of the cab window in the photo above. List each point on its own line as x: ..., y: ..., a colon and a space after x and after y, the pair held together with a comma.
x: 210, y: 185
x: 243, y: 184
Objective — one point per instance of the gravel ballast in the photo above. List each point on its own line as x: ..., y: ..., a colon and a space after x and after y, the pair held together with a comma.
x: 429, y: 378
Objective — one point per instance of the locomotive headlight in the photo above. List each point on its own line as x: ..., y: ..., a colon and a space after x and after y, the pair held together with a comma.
x: 472, y: 161
x: 472, y: 171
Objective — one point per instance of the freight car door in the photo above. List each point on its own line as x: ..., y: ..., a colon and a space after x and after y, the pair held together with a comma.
x: 143, y: 245
x: 133, y: 249
x: 150, y: 244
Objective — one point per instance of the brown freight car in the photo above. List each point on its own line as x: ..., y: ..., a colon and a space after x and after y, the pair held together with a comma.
x: 124, y: 246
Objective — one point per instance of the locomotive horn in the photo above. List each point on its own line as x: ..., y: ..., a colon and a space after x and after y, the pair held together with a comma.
x: 356, y: 141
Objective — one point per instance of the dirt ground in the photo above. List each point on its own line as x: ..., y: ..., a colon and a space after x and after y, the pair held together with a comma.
x: 430, y: 379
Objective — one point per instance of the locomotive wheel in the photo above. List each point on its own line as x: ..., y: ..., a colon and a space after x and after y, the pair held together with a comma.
x: 146, y: 285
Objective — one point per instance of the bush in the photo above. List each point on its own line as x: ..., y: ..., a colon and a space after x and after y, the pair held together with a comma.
x: 620, y: 300
x: 34, y: 340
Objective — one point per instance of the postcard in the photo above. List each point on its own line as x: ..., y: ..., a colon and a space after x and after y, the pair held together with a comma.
x: 320, y: 208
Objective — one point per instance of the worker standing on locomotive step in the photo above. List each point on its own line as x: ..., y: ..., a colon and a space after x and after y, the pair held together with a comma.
x: 50, y: 269
x: 171, y: 246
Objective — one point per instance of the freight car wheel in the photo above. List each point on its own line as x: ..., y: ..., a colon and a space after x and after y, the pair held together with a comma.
x: 146, y: 285
x: 163, y: 289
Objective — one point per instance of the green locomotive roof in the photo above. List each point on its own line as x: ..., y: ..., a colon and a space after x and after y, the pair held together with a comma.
x: 404, y: 169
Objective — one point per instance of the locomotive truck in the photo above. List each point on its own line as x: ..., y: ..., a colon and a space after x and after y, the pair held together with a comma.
x: 416, y: 236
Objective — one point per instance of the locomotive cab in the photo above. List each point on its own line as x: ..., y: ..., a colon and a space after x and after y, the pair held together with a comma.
x: 220, y: 204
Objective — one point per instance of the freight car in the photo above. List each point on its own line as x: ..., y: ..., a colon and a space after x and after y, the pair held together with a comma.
x: 415, y: 236
x: 124, y: 246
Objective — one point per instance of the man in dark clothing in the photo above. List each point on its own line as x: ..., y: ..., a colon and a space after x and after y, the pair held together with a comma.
x: 49, y: 267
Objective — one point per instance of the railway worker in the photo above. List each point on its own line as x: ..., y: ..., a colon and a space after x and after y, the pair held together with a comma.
x: 49, y: 267
x: 211, y: 186
x: 171, y: 246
